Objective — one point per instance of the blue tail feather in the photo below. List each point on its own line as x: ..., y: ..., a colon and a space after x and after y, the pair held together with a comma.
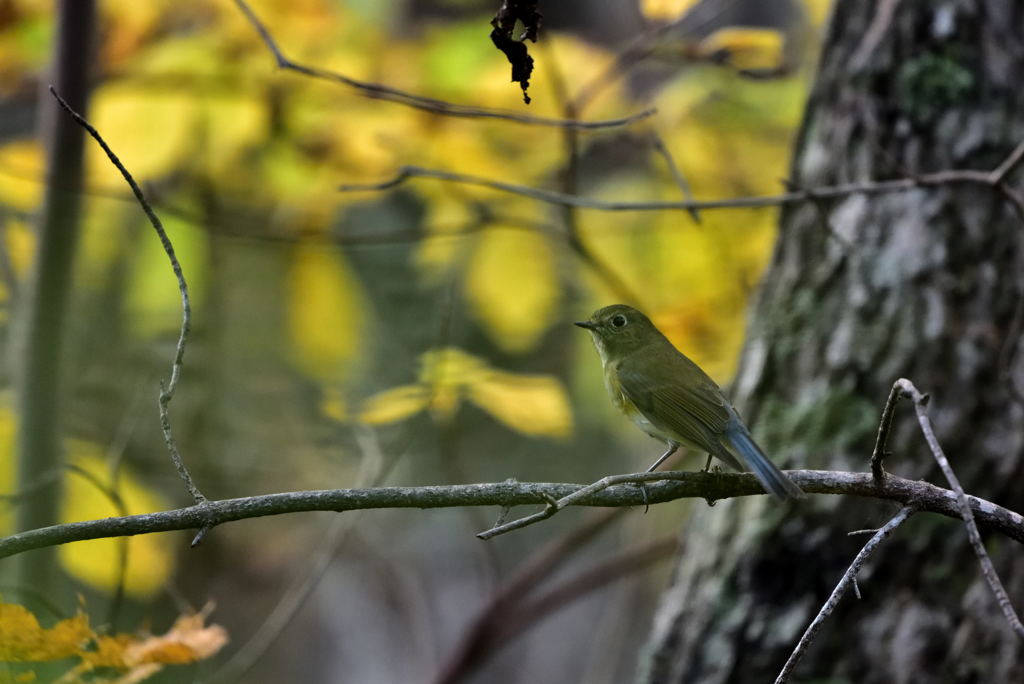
x: 739, y: 441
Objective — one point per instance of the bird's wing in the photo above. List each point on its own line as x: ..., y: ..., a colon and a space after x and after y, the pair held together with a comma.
x: 685, y: 402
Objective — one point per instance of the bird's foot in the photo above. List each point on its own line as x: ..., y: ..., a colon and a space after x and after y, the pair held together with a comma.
x: 643, y: 491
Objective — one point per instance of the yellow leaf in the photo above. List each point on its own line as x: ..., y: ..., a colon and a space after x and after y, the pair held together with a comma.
x: 21, y: 162
x: 127, y: 116
x: 95, y: 562
x: 817, y: 11
x: 666, y: 9
x: 22, y: 639
x: 395, y: 404
x: 188, y: 640
x: 127, y: 30
x: 531, y: 404
x: 325, y: 316
x: 446, y: 373
x: 450, y: 366
x: 745, y: 48
x: 108, y: 651
x: 512, y: 286
x: 21, y: 246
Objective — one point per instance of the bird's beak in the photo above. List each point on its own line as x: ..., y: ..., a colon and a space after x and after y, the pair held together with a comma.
x: 586, y: 324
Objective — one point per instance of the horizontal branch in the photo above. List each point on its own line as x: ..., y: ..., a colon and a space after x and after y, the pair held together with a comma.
x: 663, y: 486
x: 378, y: 91
x: 953, y: 177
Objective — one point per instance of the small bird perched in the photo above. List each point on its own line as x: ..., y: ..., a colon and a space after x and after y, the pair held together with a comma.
x: 670, y: 398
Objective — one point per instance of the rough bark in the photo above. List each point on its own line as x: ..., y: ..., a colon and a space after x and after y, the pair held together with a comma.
x: 924, y: 284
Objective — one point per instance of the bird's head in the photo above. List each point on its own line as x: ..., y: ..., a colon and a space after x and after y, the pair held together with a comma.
x: 619, y: 329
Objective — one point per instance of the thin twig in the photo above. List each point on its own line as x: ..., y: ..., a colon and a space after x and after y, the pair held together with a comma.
x: 1013, y: 197
x: 570, y: 182
x: 645, y: 45
x: 115, y: 459
x: 166, y: 392
x: 952, y: 177
x: 1012, y: 161
x: 884, y: 426
x: 872, y: 38
x: 849, y: 249
x: 557, y: 505
x: 661, y: 148
x: 382, y: 92
x: 111, y: 494
x: 833, y: 600
x: 987, y: 569
x: 661, y: 487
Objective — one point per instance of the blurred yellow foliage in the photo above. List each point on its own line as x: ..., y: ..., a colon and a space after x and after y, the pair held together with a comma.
x: 666, y: 9
x: 128, y: 122
x: 669, y: 10
x: 730, y: 137
x: 21, y: 166
x: 325, y: 312
x: 393, y: 405
x: 149, y: 561
x: 152, y: 298
x: 8, y: 464
x: 198, y: 103
x: 532, y: 404
x: 24, y: 40
x: 817, y: 10
x: 334, y: 405
x: 745, y: 47
x: 512, y: 286
x: 20, y: 240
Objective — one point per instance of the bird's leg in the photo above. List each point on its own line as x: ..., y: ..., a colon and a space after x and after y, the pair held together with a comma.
x: 671, y: 450
x: 707, y: 466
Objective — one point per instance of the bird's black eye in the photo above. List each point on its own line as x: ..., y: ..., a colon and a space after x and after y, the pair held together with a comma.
x: 619, y: 321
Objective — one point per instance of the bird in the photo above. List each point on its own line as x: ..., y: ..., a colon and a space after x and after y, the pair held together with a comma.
x: 670, y: 398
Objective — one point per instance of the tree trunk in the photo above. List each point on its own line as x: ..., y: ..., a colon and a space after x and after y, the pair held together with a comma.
x: 925, y: 284
x: 37, y: 357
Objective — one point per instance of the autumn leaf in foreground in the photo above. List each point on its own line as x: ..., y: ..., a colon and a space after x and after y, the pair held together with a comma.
x: 135, y: 658
x: 23, y: 639
x: 187, y: 641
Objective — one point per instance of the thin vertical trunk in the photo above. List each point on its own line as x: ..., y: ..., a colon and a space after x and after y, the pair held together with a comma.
x: 42, y: 311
